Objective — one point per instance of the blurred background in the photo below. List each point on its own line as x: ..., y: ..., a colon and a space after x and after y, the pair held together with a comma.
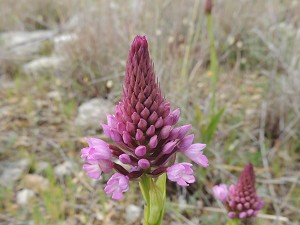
x: 234, y: 74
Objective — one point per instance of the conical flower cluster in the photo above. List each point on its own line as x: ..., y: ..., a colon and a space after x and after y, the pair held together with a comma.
x: 143, y: 130
x: 241, y: 199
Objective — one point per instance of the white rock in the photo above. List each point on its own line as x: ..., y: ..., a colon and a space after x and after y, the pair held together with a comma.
x: 64, y: 38
x: 133, y: 212
x: 24, y: 196
x: 64, y: 169
x: 41, y: 166
x: 93, y: 112
x: 10, y: 172
x: 24, y: 44
x: 43, y: 64
x: 11, y: 39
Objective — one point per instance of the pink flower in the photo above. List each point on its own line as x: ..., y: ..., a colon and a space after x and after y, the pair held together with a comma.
x: 220, y: 192
x: 96, y: 167
x: 97, y: 149
x: 181, y: 173
x: 99, y: 156
x: 117, y: 185
x: 195, y: 153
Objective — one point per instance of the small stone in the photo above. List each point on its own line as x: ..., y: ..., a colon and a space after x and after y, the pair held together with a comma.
x: 64, y: 169
x: 24, y: 196
x: 42, y: 166
x: 133, y: 212
x: 43, y: 64
x: 24, y: 45
x: 36, y: 182
x: 10, y: 171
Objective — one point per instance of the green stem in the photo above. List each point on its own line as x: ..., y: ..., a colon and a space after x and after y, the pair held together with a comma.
x: 234, y: 222
x: 154, y: 193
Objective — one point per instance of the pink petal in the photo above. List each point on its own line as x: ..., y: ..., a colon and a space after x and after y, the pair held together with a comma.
x: 186, y: 142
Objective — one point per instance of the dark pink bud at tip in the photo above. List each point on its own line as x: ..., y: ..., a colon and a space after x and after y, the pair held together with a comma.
x: 140, y: 151
x: 124, y: 158
x: 153, y: 142
x: 144, y: 164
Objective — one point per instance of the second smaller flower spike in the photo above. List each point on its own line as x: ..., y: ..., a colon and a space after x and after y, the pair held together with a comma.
x: 182, y: 173
x: 242, y: 200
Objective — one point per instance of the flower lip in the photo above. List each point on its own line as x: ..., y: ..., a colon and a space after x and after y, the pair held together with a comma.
x: 181, y: 173
x: 117, y: 185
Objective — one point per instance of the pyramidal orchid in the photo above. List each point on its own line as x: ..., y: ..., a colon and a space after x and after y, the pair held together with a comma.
x: 241, y: 200
x: 145, y: 138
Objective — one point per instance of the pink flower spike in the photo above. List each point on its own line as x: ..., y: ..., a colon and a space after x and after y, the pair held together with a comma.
x: 220, y: 192
x: 117, y: 185
x: 194, y: 153
x: 182, y: 173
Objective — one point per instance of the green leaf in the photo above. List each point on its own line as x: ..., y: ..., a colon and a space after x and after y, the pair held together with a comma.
x: 161, y: 183
x: 210, y: 130
x: 199, y: 116
x: 156, y: 204
x: 145, y: 187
